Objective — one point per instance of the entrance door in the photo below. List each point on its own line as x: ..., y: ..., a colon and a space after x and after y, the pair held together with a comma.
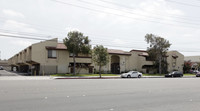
x: 115, y: 64
x: 115, y: 68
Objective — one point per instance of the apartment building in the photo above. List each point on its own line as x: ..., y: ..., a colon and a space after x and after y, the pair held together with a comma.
x: 122, y: 61
x: 4, y: 64
x: 195, y: 60
x: 48, y: 57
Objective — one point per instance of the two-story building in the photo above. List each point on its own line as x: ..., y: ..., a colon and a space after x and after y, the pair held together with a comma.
x: 49, y: 57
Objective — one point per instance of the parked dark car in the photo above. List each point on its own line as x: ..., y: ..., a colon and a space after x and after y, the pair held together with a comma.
x: 1, y: 68
x: 198, y: 74
x: 174, y: 74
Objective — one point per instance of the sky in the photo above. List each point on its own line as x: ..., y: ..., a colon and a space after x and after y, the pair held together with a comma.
x: 116, y: 24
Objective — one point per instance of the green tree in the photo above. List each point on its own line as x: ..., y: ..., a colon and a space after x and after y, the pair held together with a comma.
x: 158, y: 51
x: 187, y: 66
x: 77, y: 43
x: 100, y: 57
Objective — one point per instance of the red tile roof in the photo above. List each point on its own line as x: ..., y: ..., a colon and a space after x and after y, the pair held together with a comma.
x: 61, y: 46
x: 120, y: 52
x: 138, y: 50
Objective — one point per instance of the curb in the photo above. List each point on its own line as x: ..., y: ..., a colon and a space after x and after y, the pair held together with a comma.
x: 87, y: 77
x: 117, y: 77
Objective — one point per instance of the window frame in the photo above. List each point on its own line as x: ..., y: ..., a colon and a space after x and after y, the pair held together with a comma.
x: 52, y: 55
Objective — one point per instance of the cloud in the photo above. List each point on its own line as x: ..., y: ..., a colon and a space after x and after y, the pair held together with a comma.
x: 12, y: 13
x: 118, y: 42
x: 151, y: 10
x: 72, y: 29
x: 23, y: 43
x: 18, y: 26
x: 159, y: 7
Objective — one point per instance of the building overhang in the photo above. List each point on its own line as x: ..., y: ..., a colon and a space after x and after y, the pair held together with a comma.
x: 145, y: 54
x: 32, y: 62
x: 147, y: 66
x: 54, y: 48
x: 118, y: 52
x: 174, y: 56
x: 81, y: 56
x: 126, y: 54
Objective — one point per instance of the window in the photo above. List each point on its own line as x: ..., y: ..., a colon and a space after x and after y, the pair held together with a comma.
x: 51, y: 53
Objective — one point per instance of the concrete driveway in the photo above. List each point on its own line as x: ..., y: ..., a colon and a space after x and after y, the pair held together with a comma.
x: 7, y: 73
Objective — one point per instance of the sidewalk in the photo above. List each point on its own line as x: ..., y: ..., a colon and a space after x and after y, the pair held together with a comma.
x: 26, y: 78
x: 103, y: 77
x: 77, y: 77
x: 111, y: 77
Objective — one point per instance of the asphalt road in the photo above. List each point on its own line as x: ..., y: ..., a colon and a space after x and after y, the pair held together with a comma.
x: 145, y: 94
x: 6, y: 73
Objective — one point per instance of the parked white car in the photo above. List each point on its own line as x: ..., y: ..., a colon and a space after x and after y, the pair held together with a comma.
x: 132, y: 74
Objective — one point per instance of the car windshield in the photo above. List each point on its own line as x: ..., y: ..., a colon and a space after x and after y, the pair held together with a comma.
x: 132, y: 72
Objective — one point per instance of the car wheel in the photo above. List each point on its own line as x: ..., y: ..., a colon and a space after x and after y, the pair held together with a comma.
x: 139, y: 76
x: 128, y: 76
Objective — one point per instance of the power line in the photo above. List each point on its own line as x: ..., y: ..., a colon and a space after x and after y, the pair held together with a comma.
x: 94, y: 37
x: 36, y: 38
x: 118, y: 46
x: 171, y: 15
x: 32, y: 38
x: 54, y: 30
x: 121, y: 15
x: 22, y: 37
x: 23, y: 33
x: 37, y: 26
x: 135, y: 13
x: 96, y: 40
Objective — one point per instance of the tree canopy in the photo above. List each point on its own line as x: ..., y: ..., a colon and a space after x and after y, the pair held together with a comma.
x: 100, y: 56
x: 77, y: 43
x: 187, y: 66
x: 158, y: 50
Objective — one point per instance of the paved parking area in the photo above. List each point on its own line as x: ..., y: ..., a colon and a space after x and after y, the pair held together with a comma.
x: 7, y: 73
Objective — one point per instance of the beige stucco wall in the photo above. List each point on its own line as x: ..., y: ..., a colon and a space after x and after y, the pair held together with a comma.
x: 81, y: 60
x: 50, y: 65
x: 179, y: 62
x: 38, y: 53
x: 63, y: 61
x: 128, y: 62
x: 136, y: 62
x: 123, y: 61
x: 55, y: 65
